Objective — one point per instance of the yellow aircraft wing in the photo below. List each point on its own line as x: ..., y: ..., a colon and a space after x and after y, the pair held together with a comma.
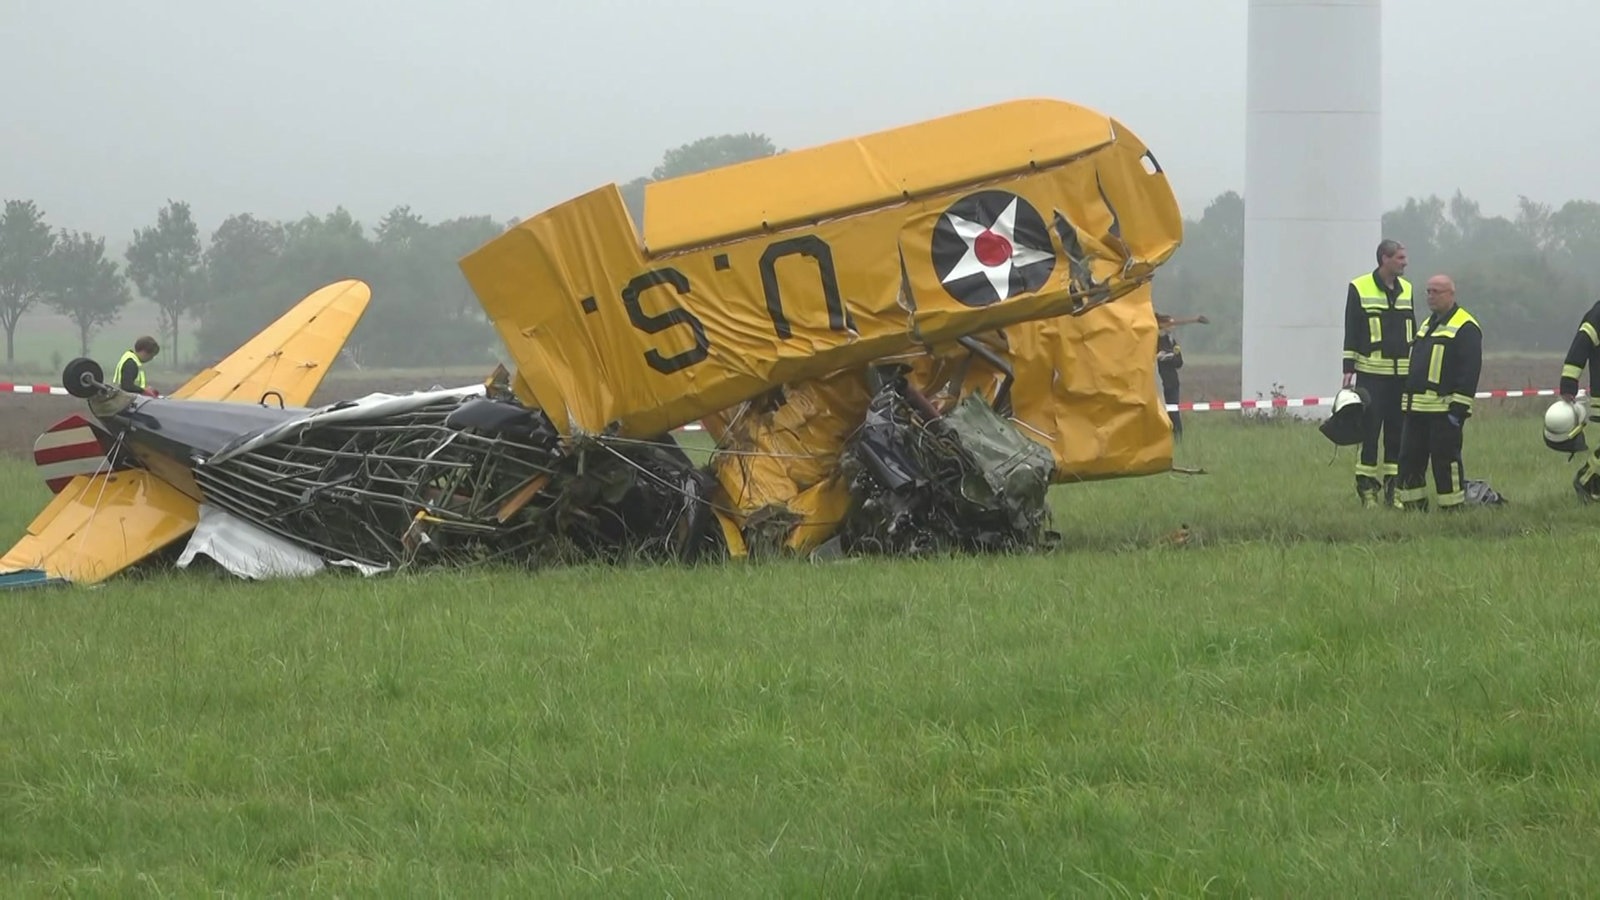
x: 101, y: 524
x: 291, y: 355
x: 789, y: 267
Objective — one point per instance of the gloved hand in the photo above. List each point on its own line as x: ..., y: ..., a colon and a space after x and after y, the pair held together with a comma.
x: 1453, y: 419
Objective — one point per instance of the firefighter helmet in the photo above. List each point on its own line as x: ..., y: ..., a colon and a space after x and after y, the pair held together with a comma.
x: 1564, y: 422
x: 1350, y: 407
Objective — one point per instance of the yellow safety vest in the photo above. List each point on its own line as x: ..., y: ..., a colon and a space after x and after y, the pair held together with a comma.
x: 1375, y: 304
x: 1422, y: 393
x: 116, y: 375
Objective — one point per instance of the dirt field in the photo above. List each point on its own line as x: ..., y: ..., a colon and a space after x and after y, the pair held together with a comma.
x: 24, y: 416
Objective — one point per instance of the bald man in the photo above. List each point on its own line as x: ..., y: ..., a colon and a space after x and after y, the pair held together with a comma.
x: 1445, y: 361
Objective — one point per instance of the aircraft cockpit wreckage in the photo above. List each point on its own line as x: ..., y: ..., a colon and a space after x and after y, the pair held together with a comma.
x: 895, y: 343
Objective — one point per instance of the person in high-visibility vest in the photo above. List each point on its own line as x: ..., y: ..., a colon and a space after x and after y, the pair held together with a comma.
x: 130, y: 368
x: 1379, y: 326
x: 1584, y: 353
x: 1446, y: 360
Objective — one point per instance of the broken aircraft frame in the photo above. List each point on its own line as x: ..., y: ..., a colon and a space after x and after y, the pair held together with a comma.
x: 876, y: 317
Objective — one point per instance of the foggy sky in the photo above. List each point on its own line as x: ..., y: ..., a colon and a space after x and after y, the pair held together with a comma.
x: 505, y: 108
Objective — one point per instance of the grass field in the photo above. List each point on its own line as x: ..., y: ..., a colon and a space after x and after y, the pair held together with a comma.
x: 1304, y: 699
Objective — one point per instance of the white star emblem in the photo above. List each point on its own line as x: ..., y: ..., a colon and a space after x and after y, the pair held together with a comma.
x: 992, y: 251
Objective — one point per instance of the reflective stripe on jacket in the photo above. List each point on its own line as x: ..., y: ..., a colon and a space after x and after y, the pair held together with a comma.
x: 1445, y: 362
x: 1378, y: 328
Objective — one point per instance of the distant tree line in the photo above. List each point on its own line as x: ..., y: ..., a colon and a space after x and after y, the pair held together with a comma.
x: 1528, y: 278
x: 248, y: 273
x: 251, y: 270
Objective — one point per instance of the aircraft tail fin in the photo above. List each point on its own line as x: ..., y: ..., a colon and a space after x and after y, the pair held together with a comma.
x: 290, y: 356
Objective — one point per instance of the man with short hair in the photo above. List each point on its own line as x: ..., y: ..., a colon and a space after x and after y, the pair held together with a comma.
x: 1379, y: 326
x: 1446, y: 359
x: 130, y: 368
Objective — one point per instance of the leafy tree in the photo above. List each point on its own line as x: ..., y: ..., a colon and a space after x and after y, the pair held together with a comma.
x: 257, y: 269
x: 244, y: 252
x: 1206, y: 277
x: 25, y: 244
x: 424, y: 293
x: 241, y: 266
x: 1534, y: 224
x: 164, y: 262
x: 1575, y: 229
x: 399, y: 228
x: 423, y: 310
x: 81, y: 284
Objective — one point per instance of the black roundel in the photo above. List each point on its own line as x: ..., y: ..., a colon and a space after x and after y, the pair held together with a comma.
x: 989, y: 246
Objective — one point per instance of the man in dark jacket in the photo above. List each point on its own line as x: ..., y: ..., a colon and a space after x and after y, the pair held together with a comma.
x: 1169, y: 359
x: 1584, y: 353
x: 1446, y: 359
x: 1378, y: 327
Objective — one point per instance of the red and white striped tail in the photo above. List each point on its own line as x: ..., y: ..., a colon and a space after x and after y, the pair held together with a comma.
x: 68, y: 448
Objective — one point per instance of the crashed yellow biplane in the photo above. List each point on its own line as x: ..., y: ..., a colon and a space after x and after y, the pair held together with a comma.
x: 898, y: 341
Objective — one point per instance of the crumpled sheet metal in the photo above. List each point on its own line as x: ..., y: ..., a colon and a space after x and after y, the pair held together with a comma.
x: 1084, y: 387
x: 782, y: 459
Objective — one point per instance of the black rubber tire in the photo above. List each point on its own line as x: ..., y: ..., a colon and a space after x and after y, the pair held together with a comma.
x: 82, y: 377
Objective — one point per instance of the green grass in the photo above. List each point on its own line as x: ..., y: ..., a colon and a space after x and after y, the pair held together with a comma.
x: 1307, y: 699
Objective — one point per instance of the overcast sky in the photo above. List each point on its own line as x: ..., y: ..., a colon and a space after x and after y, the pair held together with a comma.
x: 506, y: 107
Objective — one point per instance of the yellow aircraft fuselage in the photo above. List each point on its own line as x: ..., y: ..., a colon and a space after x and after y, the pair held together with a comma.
x: 786, y: 268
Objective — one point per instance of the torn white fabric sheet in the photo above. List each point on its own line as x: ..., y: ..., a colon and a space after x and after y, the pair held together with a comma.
x: 245, y: 550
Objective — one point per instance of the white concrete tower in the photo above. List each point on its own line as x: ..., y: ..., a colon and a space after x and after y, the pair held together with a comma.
x: 1313, y: 202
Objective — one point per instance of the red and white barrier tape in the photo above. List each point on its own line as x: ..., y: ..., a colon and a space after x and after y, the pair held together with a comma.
x: 1274, y: 403
x: 7, y: 387
x: 1283, y: 402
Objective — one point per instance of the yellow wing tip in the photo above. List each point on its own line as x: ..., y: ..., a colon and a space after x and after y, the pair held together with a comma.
x: 100, y: 525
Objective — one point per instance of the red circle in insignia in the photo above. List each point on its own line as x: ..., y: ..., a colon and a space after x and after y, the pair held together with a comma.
x: 991, y: 249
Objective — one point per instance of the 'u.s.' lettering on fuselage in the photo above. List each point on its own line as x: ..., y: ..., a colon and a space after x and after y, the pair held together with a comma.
x: 736, y: 296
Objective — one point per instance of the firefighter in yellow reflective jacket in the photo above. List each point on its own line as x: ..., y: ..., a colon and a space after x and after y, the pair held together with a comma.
x: 1584, y: 353
x: 1379, y: 324
x: 1446, y: 359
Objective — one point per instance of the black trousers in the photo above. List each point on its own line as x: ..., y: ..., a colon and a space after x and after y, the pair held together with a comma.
x: 1384, y: 419
x: 1430, y: 438
x: 1169, y: 395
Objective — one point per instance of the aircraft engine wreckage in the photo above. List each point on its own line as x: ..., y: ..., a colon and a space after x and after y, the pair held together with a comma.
x: 898, y: 343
